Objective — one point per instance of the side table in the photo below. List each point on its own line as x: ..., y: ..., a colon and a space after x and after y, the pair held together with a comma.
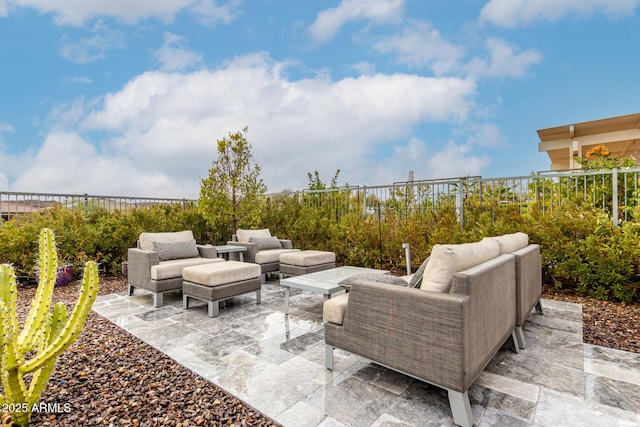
x: 223, y: 251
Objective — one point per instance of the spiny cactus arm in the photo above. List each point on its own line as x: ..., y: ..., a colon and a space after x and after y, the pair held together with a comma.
x: 42, y: 301
x: 41, y: 376
x: 8, y: 287
x: 3, y: 312
x: 74, y: 324
x: 12, y: 381
x: 8, y: 297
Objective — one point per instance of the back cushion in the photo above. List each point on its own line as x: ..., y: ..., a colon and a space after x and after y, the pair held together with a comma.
x: 264, y: 243
x: 471, y: 254
x: 446, y: 260
x: 510, y: 243
x: 176, y: 250
x: 246, y: 235
x: 146, y: 239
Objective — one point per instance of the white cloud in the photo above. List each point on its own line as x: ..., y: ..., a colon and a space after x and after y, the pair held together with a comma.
x: 4, y: 128
x: 484, y: 134
x: 4, y: 10
x: 77, y: 12
x: 94, y: 48
x: 454, y: 161
x: 66, y: 163
x: 11, y: 164
x: 364, y: 67
x: 174, y: 54
x: 515, y: 13
x: 66, y: 115
x: 427, y: 162
x: 329, y: 21
x: 421, y: 45
x: 504, y: 60
x: 77, y: 79
x: 166, y: 124
x: 211, y: 13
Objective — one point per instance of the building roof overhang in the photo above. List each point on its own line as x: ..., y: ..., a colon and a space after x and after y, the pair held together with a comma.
x: 621, y: 135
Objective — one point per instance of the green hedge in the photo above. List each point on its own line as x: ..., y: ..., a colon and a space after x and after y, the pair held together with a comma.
x: 581, y: 250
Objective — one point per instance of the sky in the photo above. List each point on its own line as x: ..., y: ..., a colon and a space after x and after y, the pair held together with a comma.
x: 128, y: 98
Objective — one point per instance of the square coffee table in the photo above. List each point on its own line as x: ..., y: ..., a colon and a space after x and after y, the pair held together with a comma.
x: 324, y: 282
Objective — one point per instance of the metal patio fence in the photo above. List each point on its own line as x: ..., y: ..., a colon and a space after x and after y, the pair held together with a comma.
x: 615, y: 191
x: 17, y: 205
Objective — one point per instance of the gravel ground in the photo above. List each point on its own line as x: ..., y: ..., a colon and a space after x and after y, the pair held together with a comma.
x: 104, y: 385
x: 111, y: 378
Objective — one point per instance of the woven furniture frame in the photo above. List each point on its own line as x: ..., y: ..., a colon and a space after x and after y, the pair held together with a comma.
x: 445, y: 339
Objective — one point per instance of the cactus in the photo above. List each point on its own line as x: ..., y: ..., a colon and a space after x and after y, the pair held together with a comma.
x: 28, y: 357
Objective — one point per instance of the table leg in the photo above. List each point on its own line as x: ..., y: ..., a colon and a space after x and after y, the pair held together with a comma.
x: 241, y: 256
x: 287, y: 292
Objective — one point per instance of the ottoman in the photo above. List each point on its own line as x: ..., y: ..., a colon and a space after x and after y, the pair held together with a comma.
x: 219, y: 281
x: 305, y: 262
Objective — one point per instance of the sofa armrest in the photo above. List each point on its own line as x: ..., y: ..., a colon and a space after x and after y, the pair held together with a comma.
x: 411, y: 330
x: 207, y: 251
x: 528, y: 281
x: 139, y: 263
x: 286, y: 243
x: 252, y: 250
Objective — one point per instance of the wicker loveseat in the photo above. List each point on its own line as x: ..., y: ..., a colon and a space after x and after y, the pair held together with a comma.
x: 445, y: 332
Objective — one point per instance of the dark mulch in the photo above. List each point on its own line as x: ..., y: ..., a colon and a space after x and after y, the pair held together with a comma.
x: 109, y: 377
x: 607, y: 324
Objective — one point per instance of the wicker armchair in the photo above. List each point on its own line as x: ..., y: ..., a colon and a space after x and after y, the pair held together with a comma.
x: 262, y: 248
x: 156, y: 263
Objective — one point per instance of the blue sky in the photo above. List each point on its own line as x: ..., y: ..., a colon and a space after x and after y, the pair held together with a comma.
x: 130, y: 97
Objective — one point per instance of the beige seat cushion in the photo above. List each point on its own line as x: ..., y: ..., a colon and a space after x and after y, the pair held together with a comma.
x: 333, y: 309
x: 307, y: 258
x: 271, y: 255
x: 146, y: 239
x: 246, y: 235
x: 221, y: 273
x: 173, y: 268
x: 446, y: 260
x: 510, y: 243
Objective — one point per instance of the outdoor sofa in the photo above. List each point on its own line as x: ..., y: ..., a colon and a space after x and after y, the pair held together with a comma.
x: 444, y: 331
x: 156, y: 263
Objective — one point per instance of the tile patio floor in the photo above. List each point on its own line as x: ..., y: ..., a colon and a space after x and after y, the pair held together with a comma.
x: 275, y: 363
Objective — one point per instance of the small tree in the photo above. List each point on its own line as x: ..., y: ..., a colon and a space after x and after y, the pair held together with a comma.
x: 231, y: 195
x: 315, y: 183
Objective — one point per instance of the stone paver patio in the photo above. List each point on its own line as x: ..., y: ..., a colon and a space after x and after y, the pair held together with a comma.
x: 275, y: 363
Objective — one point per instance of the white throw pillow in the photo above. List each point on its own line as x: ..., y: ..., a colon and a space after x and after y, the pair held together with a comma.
x: 439, y: 271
